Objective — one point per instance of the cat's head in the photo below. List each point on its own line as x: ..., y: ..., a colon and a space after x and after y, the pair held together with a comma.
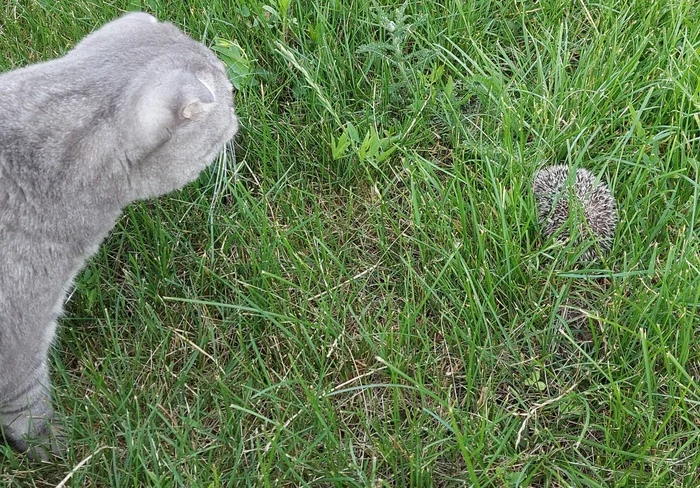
x: 176, y: 112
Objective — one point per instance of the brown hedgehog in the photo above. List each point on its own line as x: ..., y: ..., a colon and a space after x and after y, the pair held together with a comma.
x: 596, y: 219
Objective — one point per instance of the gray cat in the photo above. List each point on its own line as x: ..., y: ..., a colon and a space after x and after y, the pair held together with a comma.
x: 137, y: 109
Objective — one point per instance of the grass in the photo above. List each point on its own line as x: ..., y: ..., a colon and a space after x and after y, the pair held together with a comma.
x: 361, y: 296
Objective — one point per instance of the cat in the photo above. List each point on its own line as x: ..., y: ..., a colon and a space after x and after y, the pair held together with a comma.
x: 135, y: 110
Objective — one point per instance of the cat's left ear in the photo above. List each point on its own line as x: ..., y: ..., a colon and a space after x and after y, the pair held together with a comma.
x: 197, y: 98
x: 178, y: 98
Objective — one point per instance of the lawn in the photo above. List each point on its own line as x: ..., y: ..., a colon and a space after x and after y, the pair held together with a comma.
x: 358, y: 295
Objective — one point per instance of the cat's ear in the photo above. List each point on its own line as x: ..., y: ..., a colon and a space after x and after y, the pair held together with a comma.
x: 196, y: 97
x: 196, y: 104
x: 174, y: 100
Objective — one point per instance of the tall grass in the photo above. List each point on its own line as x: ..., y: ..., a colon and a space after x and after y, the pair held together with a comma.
x: 361, y: 296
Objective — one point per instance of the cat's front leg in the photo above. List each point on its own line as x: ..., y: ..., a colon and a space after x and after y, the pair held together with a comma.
x: 28, y: 419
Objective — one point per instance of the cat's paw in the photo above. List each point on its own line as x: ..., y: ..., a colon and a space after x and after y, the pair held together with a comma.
x: 49, y: 442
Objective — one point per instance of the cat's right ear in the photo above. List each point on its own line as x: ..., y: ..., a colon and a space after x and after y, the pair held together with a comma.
x: 179, y: 98
x: 139, y: 17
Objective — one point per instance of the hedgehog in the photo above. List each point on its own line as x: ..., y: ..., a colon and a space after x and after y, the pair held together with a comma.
x: 597, y: 218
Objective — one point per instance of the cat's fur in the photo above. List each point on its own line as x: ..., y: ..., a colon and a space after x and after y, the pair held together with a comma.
x: 137, y: 109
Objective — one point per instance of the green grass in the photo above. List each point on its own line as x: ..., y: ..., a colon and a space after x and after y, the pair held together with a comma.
x: 361, y: 297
